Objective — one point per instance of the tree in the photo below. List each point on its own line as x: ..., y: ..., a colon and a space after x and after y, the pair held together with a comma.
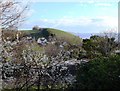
x: 99, y: 46
x: 11, y: 13
x: 99, y: 74
x: 25, y: 67
x: 11, y: 16
x: 36, y: 28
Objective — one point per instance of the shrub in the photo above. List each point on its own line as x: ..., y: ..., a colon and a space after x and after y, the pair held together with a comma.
x: 52, y: 50
x: 100, y: 73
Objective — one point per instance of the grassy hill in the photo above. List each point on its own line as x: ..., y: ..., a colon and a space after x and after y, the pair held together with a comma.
x: 59, y: 34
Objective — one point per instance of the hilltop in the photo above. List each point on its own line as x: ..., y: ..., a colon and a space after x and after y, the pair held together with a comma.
x: 59, y: 34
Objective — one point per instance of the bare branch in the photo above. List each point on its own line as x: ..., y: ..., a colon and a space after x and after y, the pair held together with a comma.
x: 11, y: 13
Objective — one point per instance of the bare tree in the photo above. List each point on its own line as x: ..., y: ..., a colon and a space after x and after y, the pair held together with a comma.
x: 11, y: 13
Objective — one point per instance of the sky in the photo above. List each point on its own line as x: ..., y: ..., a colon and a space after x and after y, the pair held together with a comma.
x: 76, y: 16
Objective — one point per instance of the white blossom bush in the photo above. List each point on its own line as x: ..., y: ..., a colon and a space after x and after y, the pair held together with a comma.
x: 23, y: 67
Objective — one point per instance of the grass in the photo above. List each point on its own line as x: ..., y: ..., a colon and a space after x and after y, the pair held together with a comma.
x: 65, y: 35
x: 60, y: 35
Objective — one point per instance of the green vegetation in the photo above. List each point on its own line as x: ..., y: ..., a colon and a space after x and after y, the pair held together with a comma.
x: 95, y: 65
x: 100, y: 73
x: 65, y: 36
x: 98, y: 46
x: 59, y: 34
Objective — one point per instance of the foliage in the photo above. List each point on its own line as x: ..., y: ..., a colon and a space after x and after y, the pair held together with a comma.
x: 52, y: 50
x: 11, y: 35
x: 29, y: 66
x: 100, y: 73
x: 26, y: 64
x: 36, y: 28
x: 98, y: 46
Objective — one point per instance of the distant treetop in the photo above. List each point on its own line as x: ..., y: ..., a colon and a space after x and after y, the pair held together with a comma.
x: 36, y: 27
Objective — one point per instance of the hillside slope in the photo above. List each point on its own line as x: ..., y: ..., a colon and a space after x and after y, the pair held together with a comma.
x: 59, y: 34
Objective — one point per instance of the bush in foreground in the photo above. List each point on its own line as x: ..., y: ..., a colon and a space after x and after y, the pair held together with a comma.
x: 100, y: 73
